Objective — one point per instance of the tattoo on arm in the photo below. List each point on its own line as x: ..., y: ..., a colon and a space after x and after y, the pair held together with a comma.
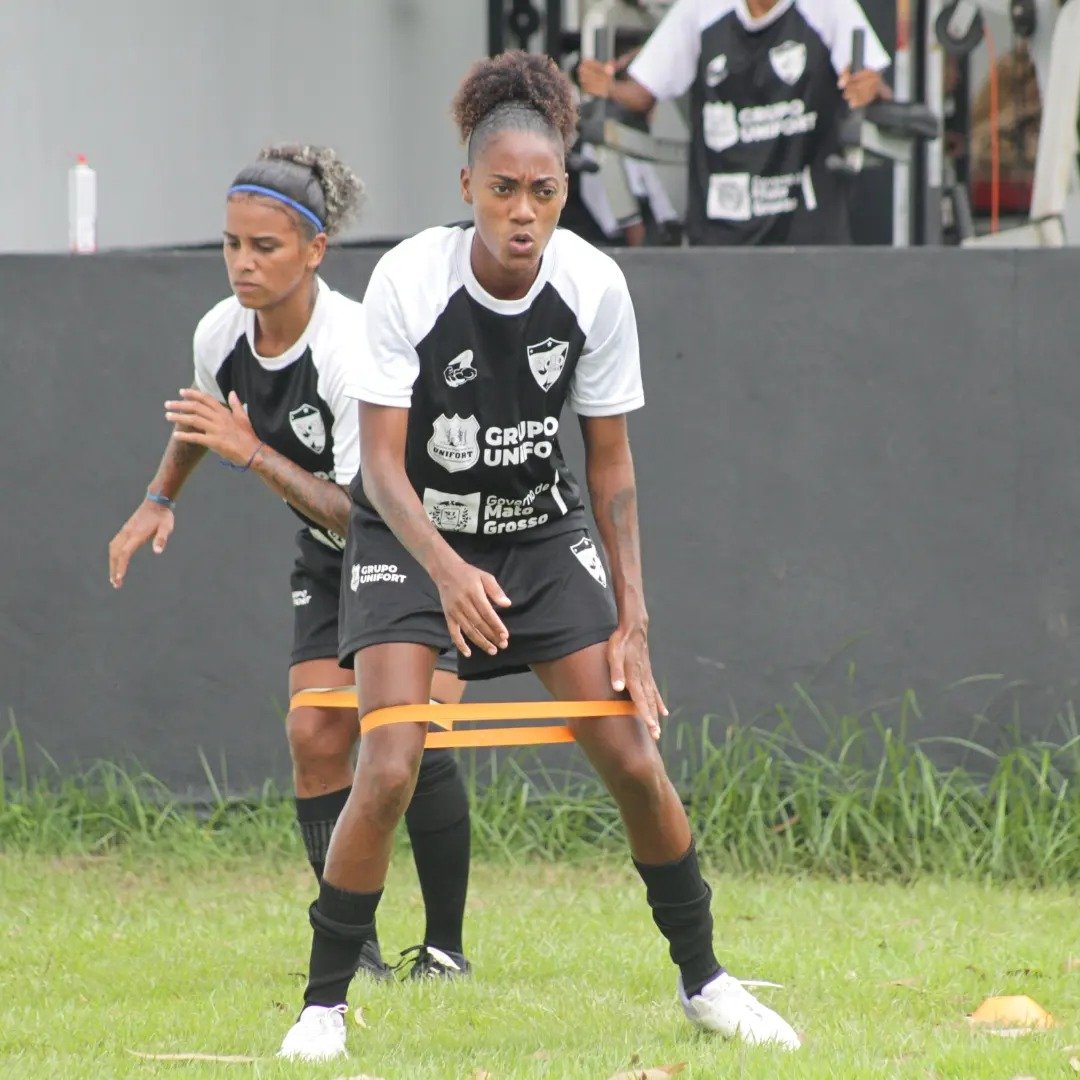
x: 177, y: 464
x: 320, y: 500
x: 614, y: 502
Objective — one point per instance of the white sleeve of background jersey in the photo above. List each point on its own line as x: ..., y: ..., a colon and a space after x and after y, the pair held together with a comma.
x: 835, y: 20
x: 386, y: 375
x: 349, y: 353
x: 607, y: 379
x: 666, y: 66
x: 205, y: 348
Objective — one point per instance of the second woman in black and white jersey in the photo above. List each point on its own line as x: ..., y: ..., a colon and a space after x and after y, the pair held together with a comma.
x: 269, y: 397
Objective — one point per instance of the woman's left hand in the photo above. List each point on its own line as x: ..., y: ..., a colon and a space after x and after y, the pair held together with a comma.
x: 224, y: 429
x: 862, y: 88
x: 631, y: 670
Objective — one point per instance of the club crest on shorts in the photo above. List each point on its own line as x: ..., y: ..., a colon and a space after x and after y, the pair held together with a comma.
x: 308, y: 427
x: 453, y: 443
x: 452, y: 513
x: 547, y: 359
x: 585, y: 552
x: 788, y: 61
x: 460, y: 370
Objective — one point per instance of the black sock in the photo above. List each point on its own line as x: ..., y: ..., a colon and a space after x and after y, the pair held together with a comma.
x: 438, y: 824
x: 316, y: 816
x: 679, y: 898
x: 342, y: 921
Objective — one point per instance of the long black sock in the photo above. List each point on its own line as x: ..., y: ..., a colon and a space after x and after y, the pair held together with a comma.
x: 316, y: 816
x: 438, y: 824
x: 679, y: 897
x: 342, y: 921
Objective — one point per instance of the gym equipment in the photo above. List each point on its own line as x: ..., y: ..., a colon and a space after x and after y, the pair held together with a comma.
x: 445, y: 717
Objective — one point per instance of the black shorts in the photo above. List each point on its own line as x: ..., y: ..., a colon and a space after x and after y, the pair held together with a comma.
x: 561, y: 602
x: 316, y: 584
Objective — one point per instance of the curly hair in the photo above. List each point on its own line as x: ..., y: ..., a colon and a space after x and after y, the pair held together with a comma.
x: 515, y: 90
x: 313, y: 176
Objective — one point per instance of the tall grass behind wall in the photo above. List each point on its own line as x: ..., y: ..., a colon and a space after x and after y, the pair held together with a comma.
x: 859, y: 799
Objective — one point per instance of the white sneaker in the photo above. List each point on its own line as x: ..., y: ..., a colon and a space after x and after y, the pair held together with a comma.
x: 725, y: 1006
x: 319, y: 1035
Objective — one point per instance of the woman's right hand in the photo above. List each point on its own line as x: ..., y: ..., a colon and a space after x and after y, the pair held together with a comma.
x: 468, y: 596
x: 149, y: 521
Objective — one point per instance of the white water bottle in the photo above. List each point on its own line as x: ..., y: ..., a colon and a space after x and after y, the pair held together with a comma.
x: 82, y: 207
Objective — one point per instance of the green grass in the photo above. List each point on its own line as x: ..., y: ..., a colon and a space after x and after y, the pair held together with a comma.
x: 100, y: 956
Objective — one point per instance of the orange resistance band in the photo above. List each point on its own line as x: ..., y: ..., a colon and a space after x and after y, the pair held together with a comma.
x: 445, y: 716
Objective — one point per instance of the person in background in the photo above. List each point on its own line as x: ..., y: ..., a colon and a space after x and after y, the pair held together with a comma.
x: 271, y: 366
x: 769, y: 81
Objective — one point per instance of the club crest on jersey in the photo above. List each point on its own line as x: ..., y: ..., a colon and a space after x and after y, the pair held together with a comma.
x: 788, y: 61
x: 460, y: 370
x: 547, y: 359
x: 453, y: 443
x: 452, y: 513
x: 716, y: 70
x: 585, y: 552
x: 308, y: 427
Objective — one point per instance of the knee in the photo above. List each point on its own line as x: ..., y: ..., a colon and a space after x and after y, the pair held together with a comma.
x: 385, y: 786
x: 637, y: 772
x: 320, y: 735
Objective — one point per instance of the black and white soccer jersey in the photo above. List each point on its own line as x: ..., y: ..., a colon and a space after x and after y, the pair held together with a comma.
x: 296, y: 402
x: 765, y: 111
x: 485, y: 380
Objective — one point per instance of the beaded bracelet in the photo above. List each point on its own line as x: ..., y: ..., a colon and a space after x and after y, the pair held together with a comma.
x: 161, y: 500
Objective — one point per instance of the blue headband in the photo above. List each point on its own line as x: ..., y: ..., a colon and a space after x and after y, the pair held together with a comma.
x: 258, y: 189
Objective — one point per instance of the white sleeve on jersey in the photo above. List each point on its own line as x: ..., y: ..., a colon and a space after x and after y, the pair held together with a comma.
x: 666, y: 66
x: 834, y: 21
x: 388, y: 372
x: 607, y: 379
x: 207, y: 347
x: 346, y: 355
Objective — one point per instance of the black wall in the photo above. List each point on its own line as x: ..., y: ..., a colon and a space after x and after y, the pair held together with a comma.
x: 852, y: 457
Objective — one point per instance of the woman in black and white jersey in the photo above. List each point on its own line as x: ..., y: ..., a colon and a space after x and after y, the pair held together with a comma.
x: 271, y: 364
x: 478, y: 337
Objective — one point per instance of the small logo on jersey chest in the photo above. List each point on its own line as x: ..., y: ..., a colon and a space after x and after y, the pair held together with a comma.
x: 308, y: 427
x: 716, y: 70
x: 460, y: 370
x: 788, y: 61
x: 547, y: 359
x: 585, y: 552
x: 453, y: 443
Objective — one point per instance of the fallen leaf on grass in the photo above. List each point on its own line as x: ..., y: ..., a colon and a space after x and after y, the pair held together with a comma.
x: 228, y: 1059
x: 358, y: 1017
x: 1071, y: 963
x: 657, y: 1072
x: 542, y: 1055
x: 1015, y: 1011
x: 481, y: 1074
x: 1074, y: 1064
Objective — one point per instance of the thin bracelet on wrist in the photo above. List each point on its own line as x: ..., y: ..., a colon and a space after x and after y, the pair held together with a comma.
x: 161, y: 500
x: 250, y: 460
